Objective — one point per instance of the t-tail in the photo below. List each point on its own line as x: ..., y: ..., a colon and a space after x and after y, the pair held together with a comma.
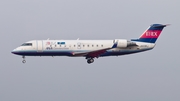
x: 151, y: 34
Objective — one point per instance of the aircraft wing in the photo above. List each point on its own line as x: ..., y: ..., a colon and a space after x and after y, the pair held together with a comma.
x: 92, y: 54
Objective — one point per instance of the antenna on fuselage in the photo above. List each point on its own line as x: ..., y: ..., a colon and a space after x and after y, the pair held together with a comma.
x: 77, y: 38
x: 48, y: 39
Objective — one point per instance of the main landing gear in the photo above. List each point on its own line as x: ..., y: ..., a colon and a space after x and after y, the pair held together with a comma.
x: 90, y: 60
x: 23, y: 61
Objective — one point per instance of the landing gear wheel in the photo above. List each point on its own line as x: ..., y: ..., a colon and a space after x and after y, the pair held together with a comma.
x: 90, y: 60
x: 24, y: 61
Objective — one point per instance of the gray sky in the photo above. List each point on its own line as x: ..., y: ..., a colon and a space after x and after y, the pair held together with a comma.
x: 148, y: 76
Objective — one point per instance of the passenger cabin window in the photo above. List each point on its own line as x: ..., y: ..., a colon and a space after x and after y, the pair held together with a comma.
x: 26, y: 44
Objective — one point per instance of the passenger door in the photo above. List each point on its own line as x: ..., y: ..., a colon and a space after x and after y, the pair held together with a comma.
x: 39, y: 46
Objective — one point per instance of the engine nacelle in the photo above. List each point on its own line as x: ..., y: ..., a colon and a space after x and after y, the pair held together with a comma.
x: 123, y: 43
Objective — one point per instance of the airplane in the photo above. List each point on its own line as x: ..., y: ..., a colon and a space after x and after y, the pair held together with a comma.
x: 91, y: 49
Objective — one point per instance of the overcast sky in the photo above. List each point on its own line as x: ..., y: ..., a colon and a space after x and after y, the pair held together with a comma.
x: 149, y: 76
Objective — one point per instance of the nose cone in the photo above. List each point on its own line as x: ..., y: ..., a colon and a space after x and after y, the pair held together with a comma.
x: 17, y: 51
x: 14, y: 51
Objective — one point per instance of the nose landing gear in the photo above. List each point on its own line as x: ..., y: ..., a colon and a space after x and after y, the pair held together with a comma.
x: 23, y: 61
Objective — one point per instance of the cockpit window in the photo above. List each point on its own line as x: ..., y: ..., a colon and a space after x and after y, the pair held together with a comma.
x: 26, y: 44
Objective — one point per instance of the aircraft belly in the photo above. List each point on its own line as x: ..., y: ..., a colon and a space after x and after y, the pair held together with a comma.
x: 122, y: 52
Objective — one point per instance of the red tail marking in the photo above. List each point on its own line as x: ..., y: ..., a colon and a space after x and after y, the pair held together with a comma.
x: 151, y: 34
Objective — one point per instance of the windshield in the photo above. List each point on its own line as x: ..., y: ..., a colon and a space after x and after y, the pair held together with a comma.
x: 26, y: 44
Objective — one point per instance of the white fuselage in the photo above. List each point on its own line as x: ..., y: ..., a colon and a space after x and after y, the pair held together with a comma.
x: 77, y: 48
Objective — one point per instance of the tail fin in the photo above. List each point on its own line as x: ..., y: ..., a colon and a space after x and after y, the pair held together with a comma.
x: 151, y: 34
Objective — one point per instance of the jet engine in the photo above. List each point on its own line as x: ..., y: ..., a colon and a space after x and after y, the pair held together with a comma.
x: 122, y: 43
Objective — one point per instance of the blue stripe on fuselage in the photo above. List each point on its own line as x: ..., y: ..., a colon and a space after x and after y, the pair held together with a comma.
x: 69, y: 52
x: 125, y: 52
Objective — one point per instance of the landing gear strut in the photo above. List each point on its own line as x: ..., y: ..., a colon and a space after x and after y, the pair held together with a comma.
x: 23, y: 61
x: 90, y: 60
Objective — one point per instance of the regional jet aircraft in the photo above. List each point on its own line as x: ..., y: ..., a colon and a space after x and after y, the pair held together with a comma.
x: 91, y: 49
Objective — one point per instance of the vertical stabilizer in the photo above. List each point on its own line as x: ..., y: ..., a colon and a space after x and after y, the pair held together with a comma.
x: 151, y: 34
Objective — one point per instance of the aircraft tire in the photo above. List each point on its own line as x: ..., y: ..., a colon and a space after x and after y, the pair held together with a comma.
x: 91, y: 60
x: 24, y: 61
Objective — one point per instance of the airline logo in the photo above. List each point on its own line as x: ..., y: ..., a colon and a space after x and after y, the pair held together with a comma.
x: 151, y: 34
x: 48, y: 43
